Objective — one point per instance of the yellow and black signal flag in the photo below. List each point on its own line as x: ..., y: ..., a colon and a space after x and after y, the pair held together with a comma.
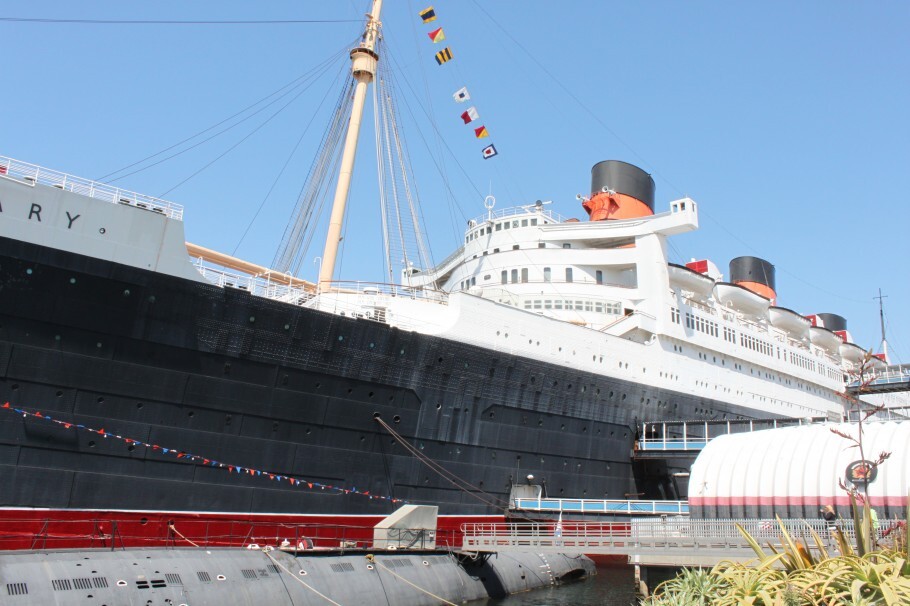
x: 428, y: 14
x: 444, y: 55
x: 436, y: 35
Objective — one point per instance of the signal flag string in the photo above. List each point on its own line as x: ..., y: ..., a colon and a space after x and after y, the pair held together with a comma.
x: 186, y: 456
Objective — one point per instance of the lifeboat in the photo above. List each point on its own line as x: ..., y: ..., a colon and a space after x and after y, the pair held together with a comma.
x: 787, y: 319
x: 852, y: 352
x: 825, y: 339
x: 690, y: 280
x: 741, y: 299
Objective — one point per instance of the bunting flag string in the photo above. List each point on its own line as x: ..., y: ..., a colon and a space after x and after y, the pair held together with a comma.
x: 181, y: 454
x: 437, y: 35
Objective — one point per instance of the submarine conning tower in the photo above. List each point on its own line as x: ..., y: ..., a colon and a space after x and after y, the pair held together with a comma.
x: 619, y: 190
x: 754, y: 274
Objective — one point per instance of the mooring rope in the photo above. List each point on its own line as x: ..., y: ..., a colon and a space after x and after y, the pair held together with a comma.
x: 373, y: 560
x: 301, y: 581
x: 177, y: 532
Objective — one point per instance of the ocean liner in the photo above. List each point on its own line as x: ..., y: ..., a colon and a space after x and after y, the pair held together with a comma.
x: 141, y: 382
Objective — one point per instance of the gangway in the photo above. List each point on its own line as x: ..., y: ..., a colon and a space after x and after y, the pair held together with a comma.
x: 686, y: 438
x: 602, y: 506
x: 891, y: 379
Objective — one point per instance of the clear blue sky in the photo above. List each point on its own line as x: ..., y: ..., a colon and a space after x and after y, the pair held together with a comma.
x: 787, y: 122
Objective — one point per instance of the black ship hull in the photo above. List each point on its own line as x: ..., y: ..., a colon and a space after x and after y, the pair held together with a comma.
x: 291, y: 391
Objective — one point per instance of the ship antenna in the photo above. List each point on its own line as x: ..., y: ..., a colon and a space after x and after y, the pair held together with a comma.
x: 363, y: 68
x: 881, y: 316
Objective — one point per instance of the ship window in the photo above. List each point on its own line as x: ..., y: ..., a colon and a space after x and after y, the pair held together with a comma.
x: 489, y: 229
x: 546, y: 274
x: 505, y: 276
x: 507, y: 225
x: 568, y: 274
x: 514, y: 276
x: 599, y: 307
x: 557, y: 304
x: 537, y: 304
x: 474, y: 281
x: 485, y: 253
x: 515, y: 247
x: 566, y: 245
x: 486, y: 277
x: 524, y: 222
x: 495, y: 250
x: 515, y: 223
x: 548, y: 304
x: 524, y: 274
x: 533, y: 221
x: 599, y: 277
x: 541, y: 245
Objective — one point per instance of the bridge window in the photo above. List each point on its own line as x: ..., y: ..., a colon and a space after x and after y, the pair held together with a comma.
x: 505, y: 276
x: 524, y: 275
x: 599, y: 276
x: 524, y: 222
x: 499, y: 227
x: 546, y: 274
x: 514, y: 276
x: 566, y: 245
x: 568, y: 274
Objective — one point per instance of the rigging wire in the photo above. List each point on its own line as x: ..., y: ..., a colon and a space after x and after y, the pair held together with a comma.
x: 321, y: 68
x: 237, y: 144
x: 173, y: 21
x: 306, y: 129
x: 311, y: 199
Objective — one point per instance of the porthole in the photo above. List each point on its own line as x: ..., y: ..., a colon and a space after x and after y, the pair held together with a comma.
x: 59, y: 393
x: 287, y: 327
x: 221, y: 577
x: 425, y: 563
x: 372, y: 345
x: 369, y: 567
x: 341, y: 337
x: 396, y: 419
x: 303, y: 573
x: 121, y: 583
x: 402, y: 352
x: 28, y: 271
x: 126, y: 292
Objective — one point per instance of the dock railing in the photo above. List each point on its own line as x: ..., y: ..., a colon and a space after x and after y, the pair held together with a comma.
x: 669, y: 534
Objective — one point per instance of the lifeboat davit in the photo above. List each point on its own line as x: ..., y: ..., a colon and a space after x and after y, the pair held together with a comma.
x: 789, y: 320
x: 690, y: 280
x: 741, y: 299
x: 825, y: 339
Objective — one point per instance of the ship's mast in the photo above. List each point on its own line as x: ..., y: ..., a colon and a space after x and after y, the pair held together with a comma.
x: 363, y: 68
x: 881, y: 317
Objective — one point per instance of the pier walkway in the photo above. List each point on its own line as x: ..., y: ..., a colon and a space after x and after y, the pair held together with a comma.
x: 651, y: 542
x: 602, y: 506
x: 687, y: 438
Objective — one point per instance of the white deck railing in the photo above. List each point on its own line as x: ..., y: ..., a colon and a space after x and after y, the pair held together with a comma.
x: 31, y: 174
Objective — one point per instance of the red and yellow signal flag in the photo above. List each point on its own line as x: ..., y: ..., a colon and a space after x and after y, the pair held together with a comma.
x: 436, y: 35
x: 480, y: 132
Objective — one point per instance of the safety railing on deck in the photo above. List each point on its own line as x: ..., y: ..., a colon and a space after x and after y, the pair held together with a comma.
x: 256, y: 285
x: 31, y: 174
